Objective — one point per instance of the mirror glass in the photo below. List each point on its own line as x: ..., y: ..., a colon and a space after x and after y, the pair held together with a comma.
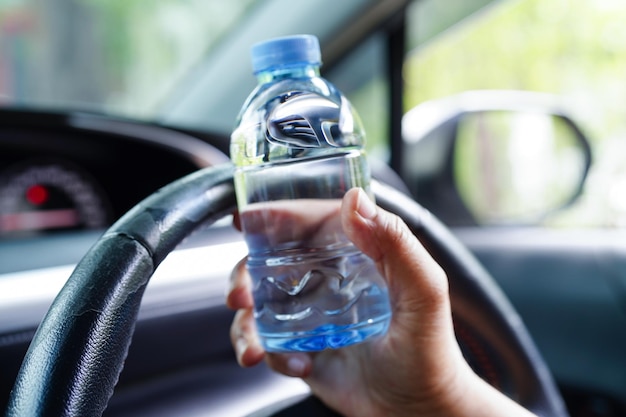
x: 516, y: 167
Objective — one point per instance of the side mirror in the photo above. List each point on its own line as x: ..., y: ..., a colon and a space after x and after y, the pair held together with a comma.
x: 494, y: 157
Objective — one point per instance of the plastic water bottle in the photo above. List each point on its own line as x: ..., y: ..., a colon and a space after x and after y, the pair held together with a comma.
x: 298, y: 148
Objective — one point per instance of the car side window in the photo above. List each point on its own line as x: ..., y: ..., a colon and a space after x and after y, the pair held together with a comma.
x: 572, y: 51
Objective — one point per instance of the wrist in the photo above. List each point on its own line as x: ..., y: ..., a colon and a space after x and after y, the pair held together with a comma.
x: 474, y: 397
x: 445, y: 397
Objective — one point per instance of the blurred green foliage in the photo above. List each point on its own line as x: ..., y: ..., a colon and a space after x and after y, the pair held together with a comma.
x: 573, y: 48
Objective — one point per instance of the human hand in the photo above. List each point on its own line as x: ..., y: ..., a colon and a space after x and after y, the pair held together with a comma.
x: 417, y: 368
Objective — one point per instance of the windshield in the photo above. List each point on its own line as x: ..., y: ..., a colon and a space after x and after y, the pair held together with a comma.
x: 100, y: 55
x: 157, y: 61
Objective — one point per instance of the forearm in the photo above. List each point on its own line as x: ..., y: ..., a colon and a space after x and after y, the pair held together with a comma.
x: 482, y: 400
x: 467, y: 395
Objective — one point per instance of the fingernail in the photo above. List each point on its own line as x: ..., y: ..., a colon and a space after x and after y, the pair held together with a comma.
x: 365, y: 206
x: 296, y: 366
x: 241, y: 345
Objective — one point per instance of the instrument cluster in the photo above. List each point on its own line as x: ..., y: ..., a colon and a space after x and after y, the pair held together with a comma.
x: 69, y: 172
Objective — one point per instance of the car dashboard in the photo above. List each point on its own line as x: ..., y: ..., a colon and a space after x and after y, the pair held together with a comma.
x: 61, y: 172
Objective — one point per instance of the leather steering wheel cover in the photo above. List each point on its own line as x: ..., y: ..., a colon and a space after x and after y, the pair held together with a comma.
x: 79, y: 349
x: 78, y: 352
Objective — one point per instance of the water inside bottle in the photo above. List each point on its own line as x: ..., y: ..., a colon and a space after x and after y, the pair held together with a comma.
x: 312, y: 288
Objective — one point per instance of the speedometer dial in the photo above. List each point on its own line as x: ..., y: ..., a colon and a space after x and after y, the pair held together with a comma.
x: 39, y: 196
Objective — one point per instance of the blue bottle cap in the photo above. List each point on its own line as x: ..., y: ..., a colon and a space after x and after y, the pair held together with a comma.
x: 286, y: 51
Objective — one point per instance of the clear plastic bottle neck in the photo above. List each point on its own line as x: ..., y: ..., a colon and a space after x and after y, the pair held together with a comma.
x: 279, y: 73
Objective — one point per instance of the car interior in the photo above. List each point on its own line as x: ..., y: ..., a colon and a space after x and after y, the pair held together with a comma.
x: 116, y: 193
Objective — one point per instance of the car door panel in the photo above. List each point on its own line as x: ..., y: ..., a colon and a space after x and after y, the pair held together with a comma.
x: 569, y: 288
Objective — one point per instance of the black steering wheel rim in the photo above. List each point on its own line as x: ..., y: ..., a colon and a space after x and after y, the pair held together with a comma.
x: 78, y: 352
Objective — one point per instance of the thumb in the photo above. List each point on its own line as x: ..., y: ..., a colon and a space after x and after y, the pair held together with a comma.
x: 416, y: 282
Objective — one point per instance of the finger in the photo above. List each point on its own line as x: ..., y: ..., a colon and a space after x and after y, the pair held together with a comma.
x: 249, y: 351
x: 244, y: 339
x: 238, y: 293
x: 297, y: 365
x: 415, y: 280
x: 237, y: 220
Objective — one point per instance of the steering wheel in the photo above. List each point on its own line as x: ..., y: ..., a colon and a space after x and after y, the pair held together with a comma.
x: 78, y: 352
